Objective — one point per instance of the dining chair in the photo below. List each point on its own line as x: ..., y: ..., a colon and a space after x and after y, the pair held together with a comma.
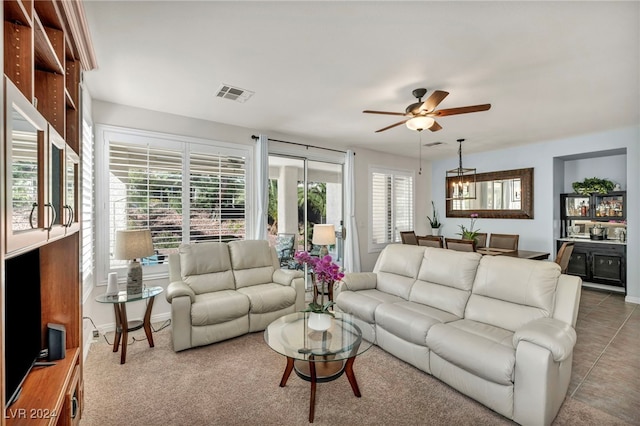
x: 504, y: 241
x: 409, y: 237
x: 481, y: 239
x: 564, y: 254
x: 460, y: 245
x: 430, y: 241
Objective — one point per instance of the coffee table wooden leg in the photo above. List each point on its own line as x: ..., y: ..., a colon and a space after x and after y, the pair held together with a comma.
x: 125, y: 332
x: 348, y: 369
x: 287, y: 372
x: 312, y: 400
x: 147, y: 322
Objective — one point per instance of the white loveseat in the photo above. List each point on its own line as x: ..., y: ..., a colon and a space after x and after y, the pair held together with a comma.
x: 496, y: 328
x: 222, y: 290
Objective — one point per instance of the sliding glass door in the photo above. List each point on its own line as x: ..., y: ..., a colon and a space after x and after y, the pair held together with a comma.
x: 303, y: 193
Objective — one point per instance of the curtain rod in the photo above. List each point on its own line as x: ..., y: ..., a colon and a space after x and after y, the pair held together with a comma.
x: 254, y: 137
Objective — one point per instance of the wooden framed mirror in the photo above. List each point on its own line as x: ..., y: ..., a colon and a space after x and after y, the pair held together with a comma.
x: 506, y: 194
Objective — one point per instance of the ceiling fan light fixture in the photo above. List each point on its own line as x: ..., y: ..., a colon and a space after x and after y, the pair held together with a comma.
x: 420, y: 123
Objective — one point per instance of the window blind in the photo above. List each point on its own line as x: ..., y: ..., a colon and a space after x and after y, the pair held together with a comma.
x: 391, y: 206
x: 145, y: 192
x: 216, y: 197
x: 88, y: 204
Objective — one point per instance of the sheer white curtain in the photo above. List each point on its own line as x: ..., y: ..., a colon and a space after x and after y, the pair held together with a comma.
x: 351, y: 245
x: 262, y: 187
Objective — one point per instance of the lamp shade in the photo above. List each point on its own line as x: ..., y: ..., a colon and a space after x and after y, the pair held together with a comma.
x: 133, y: 244
x: 420, y: 123
x: 324, y: 235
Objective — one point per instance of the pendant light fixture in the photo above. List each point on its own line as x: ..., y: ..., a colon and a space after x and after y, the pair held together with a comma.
x: 462, y: 180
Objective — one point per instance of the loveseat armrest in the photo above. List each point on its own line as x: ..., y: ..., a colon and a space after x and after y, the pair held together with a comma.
x: 556, y: 336
x: 178, y: 289
x: 286, y: 276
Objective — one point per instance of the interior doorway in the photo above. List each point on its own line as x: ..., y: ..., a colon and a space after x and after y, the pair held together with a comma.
x: 302, y: 193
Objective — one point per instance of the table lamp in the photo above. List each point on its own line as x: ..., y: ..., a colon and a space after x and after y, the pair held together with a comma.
x: 324, y: 235
x: 132, y: 245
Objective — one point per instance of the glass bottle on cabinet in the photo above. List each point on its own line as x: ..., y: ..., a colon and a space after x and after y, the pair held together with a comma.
x: 576, y: 206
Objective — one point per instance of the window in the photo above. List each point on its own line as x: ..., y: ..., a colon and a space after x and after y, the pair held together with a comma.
x: 88, y: 206
x: 182, y: 189
x: 391, y: 206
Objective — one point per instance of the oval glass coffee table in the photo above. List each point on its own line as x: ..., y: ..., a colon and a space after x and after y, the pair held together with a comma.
x: 319, y: 356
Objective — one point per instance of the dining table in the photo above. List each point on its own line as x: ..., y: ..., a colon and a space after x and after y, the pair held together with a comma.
x: 523, y: 254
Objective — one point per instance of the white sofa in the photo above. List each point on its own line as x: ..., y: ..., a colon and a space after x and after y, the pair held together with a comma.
x: 222, y: 290
x: 496, y: 328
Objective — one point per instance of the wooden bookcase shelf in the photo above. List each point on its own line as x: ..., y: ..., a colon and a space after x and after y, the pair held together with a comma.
x: 46, y: 49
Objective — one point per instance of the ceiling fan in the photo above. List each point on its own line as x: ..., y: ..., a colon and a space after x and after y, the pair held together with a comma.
x: 420, y: 114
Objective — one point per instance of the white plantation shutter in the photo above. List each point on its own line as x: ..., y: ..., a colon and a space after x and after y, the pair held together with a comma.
x: 391, y: 206
x: 180, y: 191
x: 88, y: 204
x: 403, y: 205
x: 216, y: 197
x: 145, y: 192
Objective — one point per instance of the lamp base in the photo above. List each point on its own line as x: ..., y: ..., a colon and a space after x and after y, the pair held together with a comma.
x: 324, y: 250
x: 134, y: 279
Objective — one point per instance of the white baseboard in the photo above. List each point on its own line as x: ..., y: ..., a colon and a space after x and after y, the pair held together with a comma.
x: 110, y: 327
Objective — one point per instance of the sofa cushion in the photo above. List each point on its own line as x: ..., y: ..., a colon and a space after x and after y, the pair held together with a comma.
x: 269, y: 297
x: 445, y: 279
x: 363, y: 303
x: 206, y: 267
x: 481, y: 349
x: 397, y: 268
x: 509, y: 292
x: 218, y: 307
x: 410, y: 321
x: 252, y: 262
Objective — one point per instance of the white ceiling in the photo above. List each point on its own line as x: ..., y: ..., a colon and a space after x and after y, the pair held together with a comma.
x: 549, y: 69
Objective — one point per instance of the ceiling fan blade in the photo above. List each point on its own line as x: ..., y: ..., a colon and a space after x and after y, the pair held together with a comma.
x: 368, y: 111
x: 432, y: 101
x: 460, y: 110
x: 393, y: 125
x: 435, y: 127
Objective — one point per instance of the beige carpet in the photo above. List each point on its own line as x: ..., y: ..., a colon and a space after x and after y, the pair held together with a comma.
x: 236, y: 383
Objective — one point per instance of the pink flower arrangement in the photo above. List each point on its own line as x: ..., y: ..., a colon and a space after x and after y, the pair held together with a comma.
x: 326, y: 272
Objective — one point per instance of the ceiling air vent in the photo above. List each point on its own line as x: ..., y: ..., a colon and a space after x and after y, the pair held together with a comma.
x: 237, y: 94
x: 432, y: 144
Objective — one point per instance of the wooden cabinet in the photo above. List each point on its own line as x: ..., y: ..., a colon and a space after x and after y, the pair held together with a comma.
x: 46, y: 48
x: 598, y: 262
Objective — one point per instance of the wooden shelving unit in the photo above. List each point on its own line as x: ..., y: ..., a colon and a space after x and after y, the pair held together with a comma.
x: 46, y: 49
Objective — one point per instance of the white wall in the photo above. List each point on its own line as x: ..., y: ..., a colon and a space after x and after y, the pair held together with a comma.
x: 553, y: 163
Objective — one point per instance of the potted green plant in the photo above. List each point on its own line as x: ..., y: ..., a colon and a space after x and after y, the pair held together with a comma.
x: 434, y: 221
x: 325, y: 273
x: 469, y: 234
x: 593, y: 185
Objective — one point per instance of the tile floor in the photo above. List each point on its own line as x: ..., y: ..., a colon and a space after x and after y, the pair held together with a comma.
x: 606, y: 359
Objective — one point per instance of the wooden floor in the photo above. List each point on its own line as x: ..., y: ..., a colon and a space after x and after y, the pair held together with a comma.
x: 606, y: 359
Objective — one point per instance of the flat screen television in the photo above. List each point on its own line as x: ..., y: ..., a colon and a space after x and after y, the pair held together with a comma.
x: 22, y: 323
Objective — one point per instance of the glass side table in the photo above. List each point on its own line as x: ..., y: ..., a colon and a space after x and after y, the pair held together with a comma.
x: 123, y: 326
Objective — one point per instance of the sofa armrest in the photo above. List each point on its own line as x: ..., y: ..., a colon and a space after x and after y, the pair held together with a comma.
x: 286, y: 276
x: 359, y: 281
x: 177, y: 289
x: 355, y: 281
x: 556, y: 336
